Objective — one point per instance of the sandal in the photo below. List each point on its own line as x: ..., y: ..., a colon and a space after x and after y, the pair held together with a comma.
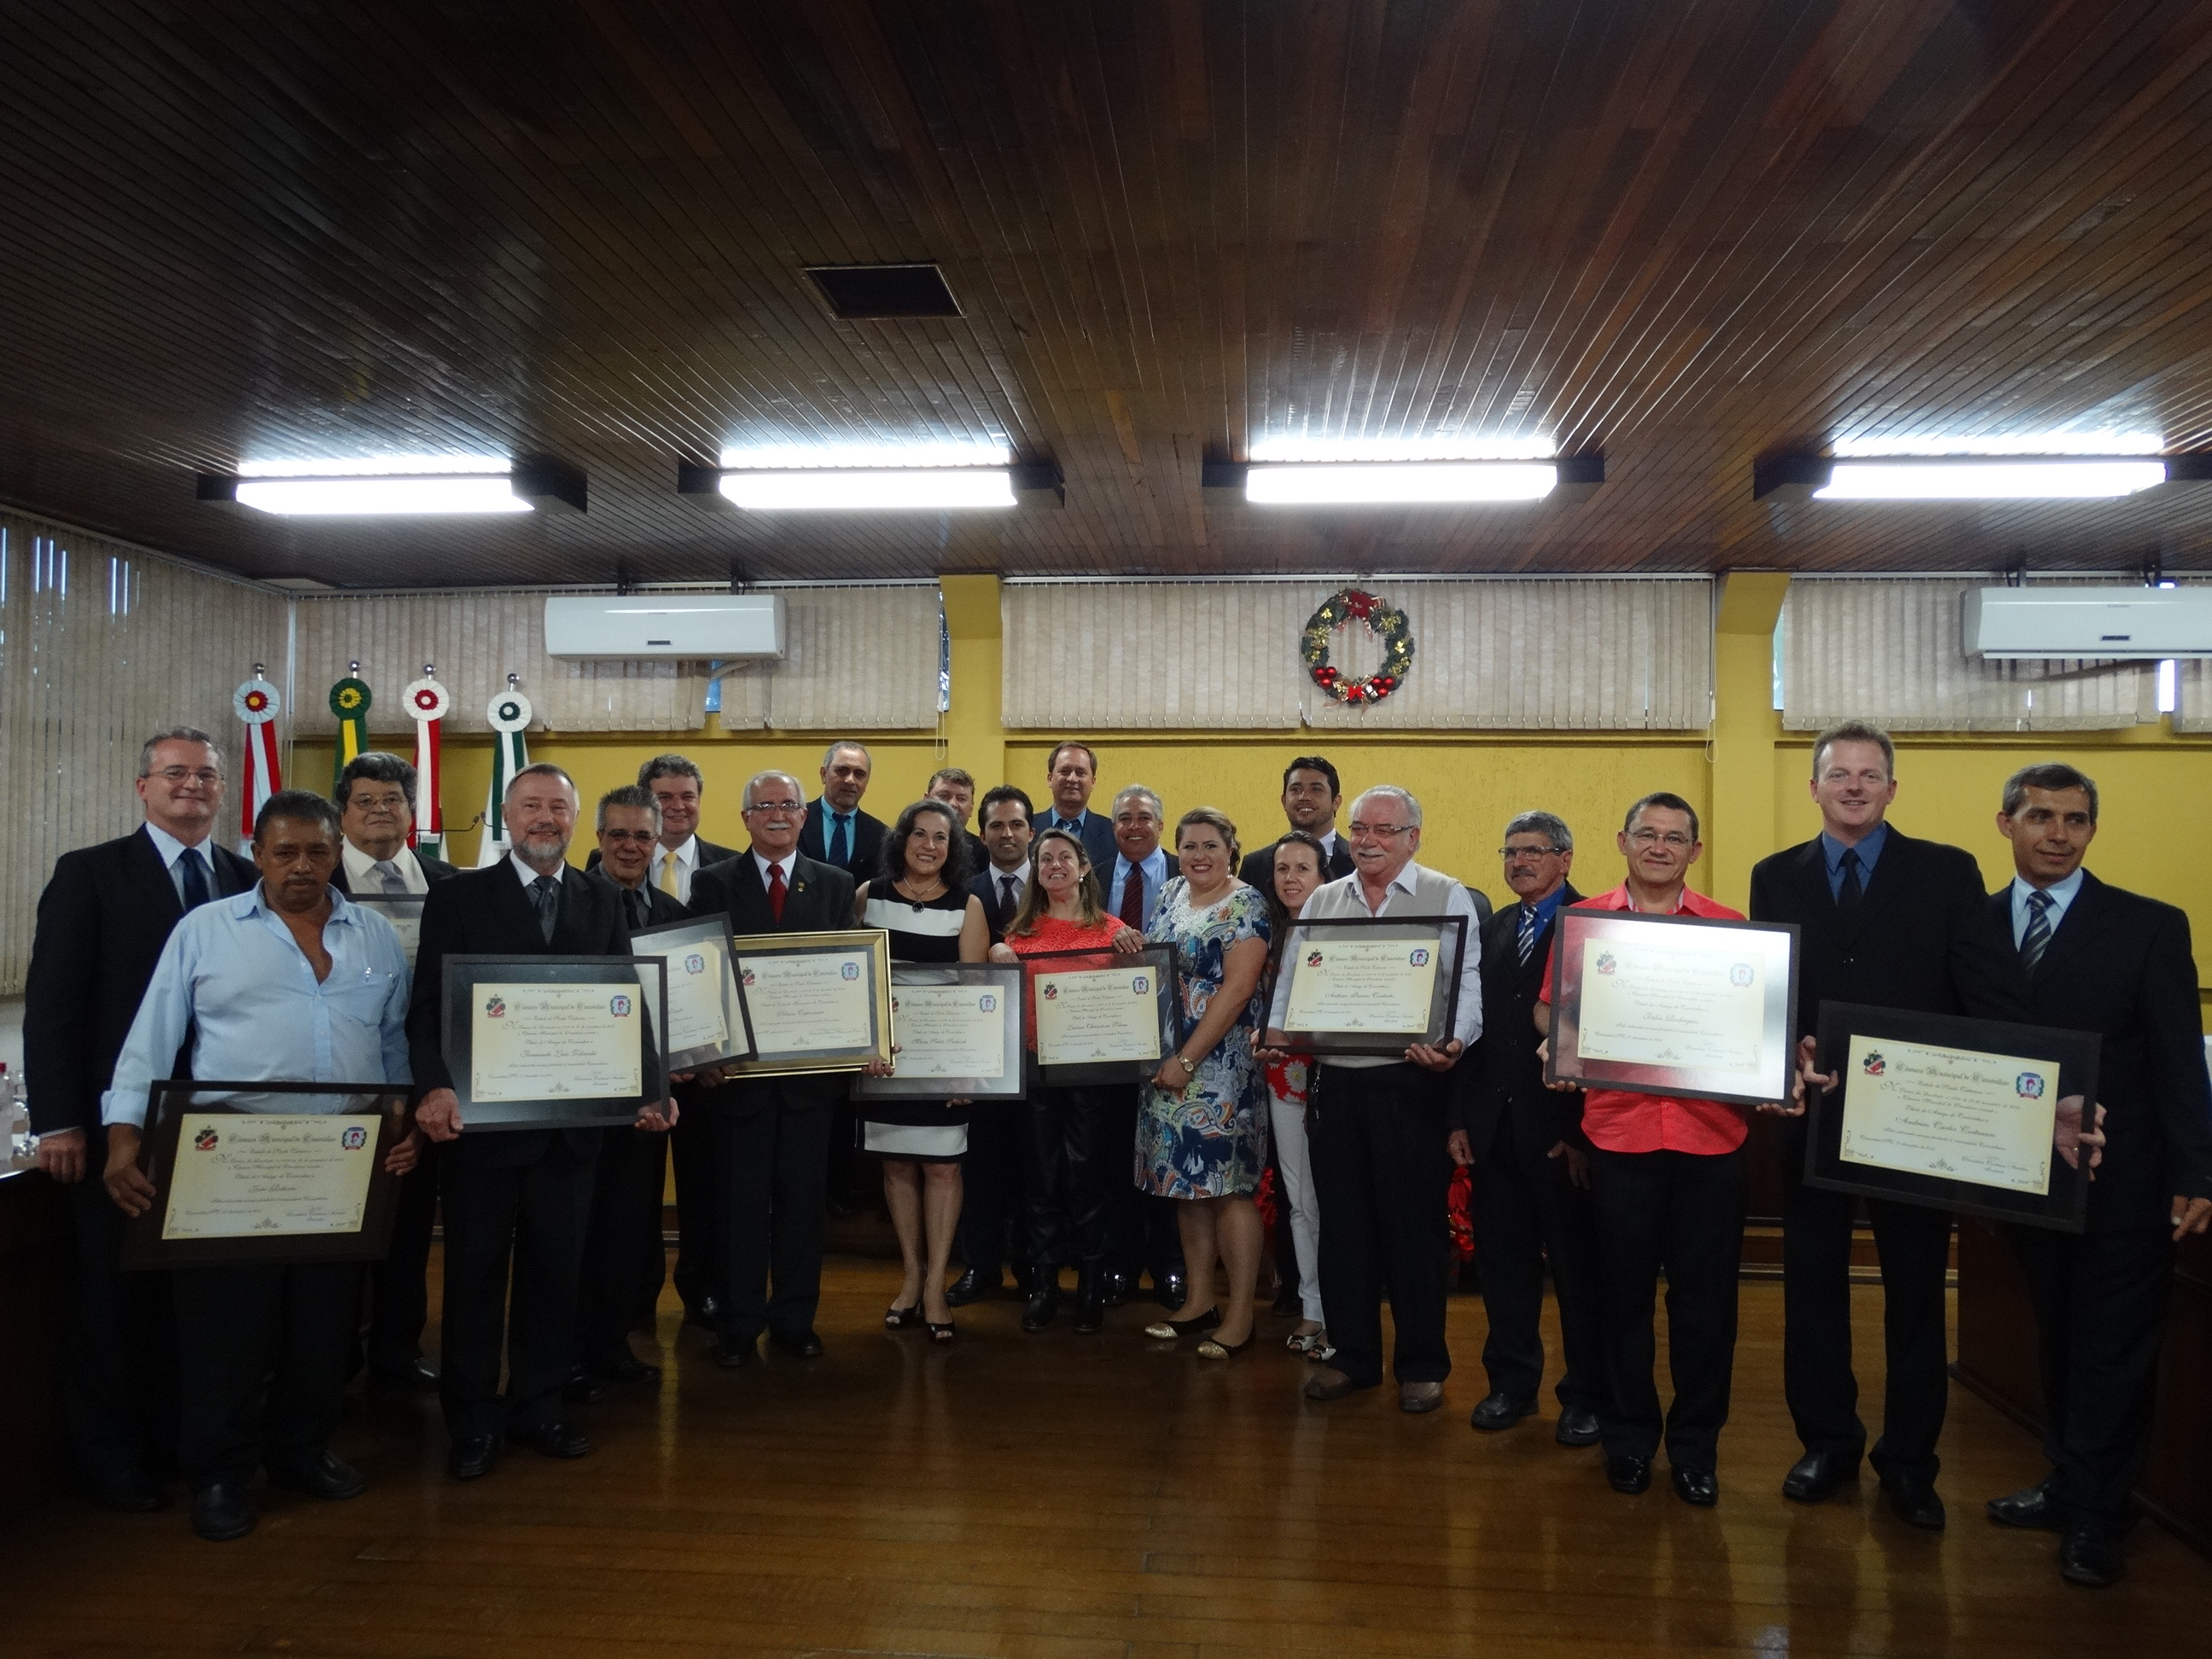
x: 1302, y: 1342
x: 1321, y: 1350
x: 1172, y: 1330
x: 943, y: 1332
x: 902, y: 1319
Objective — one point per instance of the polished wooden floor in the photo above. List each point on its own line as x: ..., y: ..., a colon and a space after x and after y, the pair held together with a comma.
x: 1098, y: 1498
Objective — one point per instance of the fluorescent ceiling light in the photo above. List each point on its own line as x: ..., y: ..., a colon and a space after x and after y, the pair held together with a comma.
x: 1295, y: 447
x: 1386, y: 482
x: 374, y: 466
x: 871, y: 489
x: 805, y: 457
x: 1988, y: 480
x: 2019, y: 443
x: 366, y: 496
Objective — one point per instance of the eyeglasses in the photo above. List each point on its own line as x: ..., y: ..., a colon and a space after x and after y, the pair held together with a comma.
x: 205, y: 774
x: 1379, y: 831
x: 642, y: 837
x: 1526, y: 854
x: 776, y: 807
x: 1673, y: 838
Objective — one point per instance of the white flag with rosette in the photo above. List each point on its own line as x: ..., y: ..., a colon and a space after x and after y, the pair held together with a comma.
x: 428, y: 703
x: 256, y: 703
x: 510, y: 715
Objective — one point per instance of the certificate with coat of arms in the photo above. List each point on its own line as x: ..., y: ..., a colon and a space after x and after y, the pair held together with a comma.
x: 707, y: 1018
x: 1102, y: 1016
x: 817, y: 1002
x: 959, y: 1028
x: 1371, y: 985
x: 555, y: 1042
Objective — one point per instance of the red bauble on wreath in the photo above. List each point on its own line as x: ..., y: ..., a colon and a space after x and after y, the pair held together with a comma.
x: 1388, y: 625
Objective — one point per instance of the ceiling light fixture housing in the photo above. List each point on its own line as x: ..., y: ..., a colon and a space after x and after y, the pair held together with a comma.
x: 885, y: 293
x: 414, y: 487
x: 1401, y: 483
x: 1963, y: 478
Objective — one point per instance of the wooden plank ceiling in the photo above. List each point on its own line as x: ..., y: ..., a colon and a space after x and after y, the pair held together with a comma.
x: 1684, y: 234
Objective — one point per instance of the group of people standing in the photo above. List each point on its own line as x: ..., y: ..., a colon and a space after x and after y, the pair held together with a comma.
x: 162, y: 953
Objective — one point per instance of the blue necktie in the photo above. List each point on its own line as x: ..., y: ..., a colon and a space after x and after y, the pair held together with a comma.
x: 2036, y: 940
x: 191, y: 864
x: 841, y: 840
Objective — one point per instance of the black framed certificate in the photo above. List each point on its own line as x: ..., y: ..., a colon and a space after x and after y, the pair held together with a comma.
x: 267, y: 1172
x: 708, y: 1020
x: 1371, y: 985
x: 959, y: 1031
x: 818, y: 1002
x: 1102, y: 1016
x: 1698, y: 1006
x: 1952, y: 1113
x: 537, y: 1043
x: 402, y: 910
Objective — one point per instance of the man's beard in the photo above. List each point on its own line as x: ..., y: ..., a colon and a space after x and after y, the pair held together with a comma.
x: 544, y: 848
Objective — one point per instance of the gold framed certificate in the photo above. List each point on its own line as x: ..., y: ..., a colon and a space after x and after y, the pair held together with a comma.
x: 959, y: 1033
x: 818, y: 1002
x: 535, y: 1042
x: 708, y: 1020
x: 1956, y: 1113
x: 267, y: 1172
x: 1372, y: 985
x: 1698, y: 1006
x: 1102, y: 1016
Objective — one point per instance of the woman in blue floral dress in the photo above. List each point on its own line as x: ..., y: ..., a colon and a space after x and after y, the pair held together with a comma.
x: 1202, y: 1136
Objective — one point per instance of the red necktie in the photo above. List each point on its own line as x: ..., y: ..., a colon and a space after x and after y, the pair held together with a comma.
x: 776, y: 891
x: 1133, y: 898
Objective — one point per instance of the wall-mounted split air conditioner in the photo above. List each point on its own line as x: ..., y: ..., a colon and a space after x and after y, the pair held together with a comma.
x: 700, y: 627
x: 2087, y: 622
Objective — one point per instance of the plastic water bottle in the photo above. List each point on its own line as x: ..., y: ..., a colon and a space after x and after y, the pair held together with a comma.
x: 16, y: 1110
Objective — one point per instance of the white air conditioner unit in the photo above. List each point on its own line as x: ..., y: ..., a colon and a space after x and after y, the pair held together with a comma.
x: 702, y: 627
x: 2087, y: 622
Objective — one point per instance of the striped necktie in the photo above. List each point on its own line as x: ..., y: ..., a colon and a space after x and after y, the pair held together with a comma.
x: 1525, y: 940
x: 2037, y: 937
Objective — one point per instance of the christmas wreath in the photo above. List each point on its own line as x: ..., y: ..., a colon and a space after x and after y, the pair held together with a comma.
x: 1352, y: 604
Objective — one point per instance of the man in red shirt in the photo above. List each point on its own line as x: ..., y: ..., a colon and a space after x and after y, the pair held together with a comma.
x: 1667, y: 1178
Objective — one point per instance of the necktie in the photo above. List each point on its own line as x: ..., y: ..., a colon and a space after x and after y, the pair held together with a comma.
x: 2036, y: 939
x: 1133, y: 898
x: 191, y: 864
x: 545, y: 893
x: 1525, y: 940
x: 840, y: 839
x: 1849, y: 895
x: 387, y: 872
x: 640, y: 909
x: 1010, y: 898
x: 776, y: 891
x: 667, y: 883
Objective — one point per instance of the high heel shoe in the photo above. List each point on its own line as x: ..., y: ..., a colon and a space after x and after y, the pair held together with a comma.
x: 1173, y: 1330
x: 1214, y: 1348
x: 943, y: 1332
x: 902, y: 1319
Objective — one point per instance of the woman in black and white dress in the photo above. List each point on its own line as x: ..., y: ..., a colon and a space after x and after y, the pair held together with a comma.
x: 921, y: 899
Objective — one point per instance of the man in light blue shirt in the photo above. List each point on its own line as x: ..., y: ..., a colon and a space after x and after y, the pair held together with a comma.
x: 1139, y: 818
x: 291, y: 983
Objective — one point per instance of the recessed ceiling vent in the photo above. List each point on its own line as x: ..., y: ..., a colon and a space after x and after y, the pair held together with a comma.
x: 873, y: 292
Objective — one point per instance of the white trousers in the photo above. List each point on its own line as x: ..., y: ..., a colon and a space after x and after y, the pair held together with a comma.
x: 1288, y: 1118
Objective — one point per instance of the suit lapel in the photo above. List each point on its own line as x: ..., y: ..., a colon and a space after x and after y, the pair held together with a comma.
x: 518, y: 912
x: 151, y: 876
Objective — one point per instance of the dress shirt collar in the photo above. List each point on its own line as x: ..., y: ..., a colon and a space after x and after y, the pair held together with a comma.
x: 360, y: 870
x: 172, y: 849
x: 1545, y: 909
x: 1061, y: 820
x: 344, y: 913
x: 1155, y: 867
x: 1869, y: 850
x: 514, y: 862
x: 764, y: 864
x: 2063, y: 895
x: 686, y: 856
x: 1691, y: 904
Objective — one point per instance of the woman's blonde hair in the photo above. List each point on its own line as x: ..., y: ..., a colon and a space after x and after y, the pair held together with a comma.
x: 1087, y: 903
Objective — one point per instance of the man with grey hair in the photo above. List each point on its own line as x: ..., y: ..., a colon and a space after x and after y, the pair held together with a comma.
x: 375, y: 798
x: 103, y: 920
x: 837, y: 832
x: 1140, y: 866
x: 1382, y: 1171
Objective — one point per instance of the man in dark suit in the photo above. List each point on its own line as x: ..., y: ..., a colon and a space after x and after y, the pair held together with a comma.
x: 991, y: 1168
x: 1895, y: 923
x: 836, y: 831
x: 375, y: 798
x: 625, y: 1261
x: 519, y: 1193
x: 2102, y: 959
x: 102, y: 921
x: 1532, y: 1172
x: 1003, y: 873
x: 1072, y: 770
x: 771, y: 1135
x: 1311, y: 796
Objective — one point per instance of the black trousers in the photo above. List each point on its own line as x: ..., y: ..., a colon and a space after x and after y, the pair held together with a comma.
x: 530, y: 1216
x: 263, y: 1354
x: 1914, y: 1244
x: 120, y: 1358
x: 994, y: 1231
x: 624, y: 1262
x: 1383, y: 1178
x: 1680, y: 1213
x: 2100, y: 1305
x: 699, y: 1243
x: 1143, y: 1235
x: 772, y: 1174
x: 1529, y: 1212
x: 1083, y: 1141
x: 399, y: 1285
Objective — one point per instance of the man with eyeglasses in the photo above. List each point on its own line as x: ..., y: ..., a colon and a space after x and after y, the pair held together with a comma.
x: 1381, y: 1172
x: 1531, y: 1163
x: 676, y: 785
x: 103, y: 921
x: 771, y: 1135
x: 1667, y: 1178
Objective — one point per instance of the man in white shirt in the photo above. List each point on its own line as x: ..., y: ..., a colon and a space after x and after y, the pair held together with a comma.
x: 375, y: 798
x: 1382, y: 1169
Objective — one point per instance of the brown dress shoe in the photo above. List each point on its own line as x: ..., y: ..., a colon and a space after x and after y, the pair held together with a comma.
x: 1418, y: 1397
x: 1330, y: 1384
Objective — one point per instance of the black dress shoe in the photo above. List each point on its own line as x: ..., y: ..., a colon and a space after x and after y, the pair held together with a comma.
x: 2030, y: 1508
x: 1915, y: 1502
x: 703, y: 1312
x: 1500, y: 1411
x: 1090, y: 1305
x: 1042, y: 1306
x: 412, y: 1377
x: 731, y: 1352
x: 583, y: 1389
x: 1116, y: 1288
x: 556, y: 1439
x: 1817, y: 1476
x: 2091, y: 1556
x: 628, y: 1369
x: 472, y: 1456
x: 1699, y: 1487
x: 127, y: 1491
x: 319, y: 1476
x: 1628, y: 1474
x: 972, y: 1286
x: 1578, y: 1426
x: 802, y: 1345
x: 1172, y: 1289
x: 222, y: 1511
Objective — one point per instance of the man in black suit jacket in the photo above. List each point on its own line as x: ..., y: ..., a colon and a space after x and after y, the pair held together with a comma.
x: 771, y: 1135
x: 836, y: 820
x: 1311, y: 796
x: 1895, y: 923
x: 102, y: 921
x: 375, y: 798
x: 1532, y: 1201
x: 2101, y: 959
x: 518, y: 1193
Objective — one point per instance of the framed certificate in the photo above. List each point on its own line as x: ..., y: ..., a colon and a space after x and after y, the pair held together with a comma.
x: 959, y: 1028
x: 818, y: 1002
x: 708, y: 1020
x: 1101, y: 1016
x: 267, y: 1172
x: 402, y: 910
x: 555, y: 1042
x: 1956, y: 1113
x: 1371, y: 985
x: 1691, y: 1006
